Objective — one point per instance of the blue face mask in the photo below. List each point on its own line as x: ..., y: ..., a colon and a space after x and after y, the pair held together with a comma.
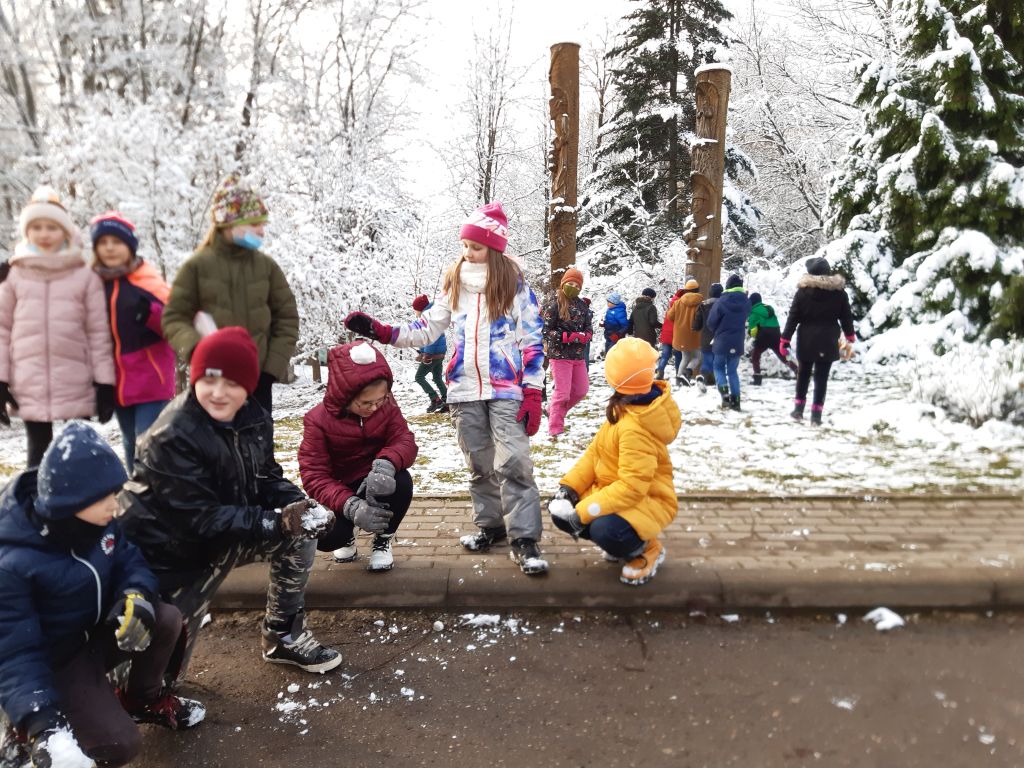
x: 248, y: 240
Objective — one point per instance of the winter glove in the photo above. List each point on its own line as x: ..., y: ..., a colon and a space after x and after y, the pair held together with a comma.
x: 366, y: 516
x: 135, y: 618
x: 306, y: 519
x: 362, y: 324
x: 567, y: 493
x: 584, y: 338
x: 784, y: 347
x: 753, y: 331
x: 56, y: 747
x: 104, y: 402
x: 529, y: 411
x: 380, y: 481
x: 6, y: 398
x: 563, y: 511
x: 613, y: 337
x: 141, y: 310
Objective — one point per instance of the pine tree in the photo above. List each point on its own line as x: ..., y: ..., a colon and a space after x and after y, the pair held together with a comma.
x: 654, y: 75
x: 925, y: 212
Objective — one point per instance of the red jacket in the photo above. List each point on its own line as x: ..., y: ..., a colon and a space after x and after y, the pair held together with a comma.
x: 666, y: 327
x: 338, y: 447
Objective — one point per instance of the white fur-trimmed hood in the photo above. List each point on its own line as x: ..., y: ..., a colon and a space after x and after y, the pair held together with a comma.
x: 825, y: 282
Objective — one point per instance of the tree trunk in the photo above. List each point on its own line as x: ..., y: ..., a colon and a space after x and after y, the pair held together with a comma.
x: 564, y: 108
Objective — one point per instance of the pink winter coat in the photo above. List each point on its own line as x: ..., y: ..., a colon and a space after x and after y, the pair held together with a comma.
x: 54, y: 339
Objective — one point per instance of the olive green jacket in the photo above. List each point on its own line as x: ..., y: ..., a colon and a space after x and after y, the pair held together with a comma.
x: 236, y: 286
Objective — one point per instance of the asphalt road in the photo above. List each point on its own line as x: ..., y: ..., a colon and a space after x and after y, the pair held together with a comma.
x: 599, y: 689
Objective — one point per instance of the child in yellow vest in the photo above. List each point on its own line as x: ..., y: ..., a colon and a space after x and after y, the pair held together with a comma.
x: 620, y: 493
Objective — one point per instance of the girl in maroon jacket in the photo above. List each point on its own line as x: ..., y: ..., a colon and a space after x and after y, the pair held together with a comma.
x: 356, y: 452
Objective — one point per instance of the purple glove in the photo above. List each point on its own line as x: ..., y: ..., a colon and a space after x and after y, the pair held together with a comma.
x: 784, y: 347
x: 362, y: 324
x: 529, y: 411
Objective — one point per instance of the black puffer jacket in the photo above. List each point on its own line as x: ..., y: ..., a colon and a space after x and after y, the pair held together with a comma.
x: 820, y: 308
x: 581, y: 320
x: 200, y: 486
x: 643, y: 322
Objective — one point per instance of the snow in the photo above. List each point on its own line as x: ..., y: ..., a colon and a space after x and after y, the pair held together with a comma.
x: 65, y: 752
x: 884, y: 619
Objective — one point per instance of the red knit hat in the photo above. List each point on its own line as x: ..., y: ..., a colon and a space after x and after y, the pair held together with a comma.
x: 229, y: 352
x: 420, y: 303
x: 487, y: 225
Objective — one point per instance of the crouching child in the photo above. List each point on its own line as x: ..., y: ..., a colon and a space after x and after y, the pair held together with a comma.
x: 76, y: 600
x: 620, y: 494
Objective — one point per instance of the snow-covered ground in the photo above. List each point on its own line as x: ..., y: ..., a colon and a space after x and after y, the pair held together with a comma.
x: 875, y: 439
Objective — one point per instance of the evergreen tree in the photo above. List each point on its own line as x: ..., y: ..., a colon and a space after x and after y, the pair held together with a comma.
x: 654, y: 75
x: 925, y: 212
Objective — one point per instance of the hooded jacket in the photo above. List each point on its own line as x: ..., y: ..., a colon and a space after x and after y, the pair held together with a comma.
x: 700, y: 318
x: 338, y: 447
x: 492, y: 360
x: 53, y: 598
x: 616, y: 321
x: 643, y: 322
x: 54, y: 338
x: 728, y: 322
x: 681, y: 315
x: 581, y: 320
x: 201, y: 486
x: 820, y: 309
x: 626, y: 469
x: 237, y: 286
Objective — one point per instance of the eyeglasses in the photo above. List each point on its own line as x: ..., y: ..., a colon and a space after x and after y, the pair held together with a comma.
x: 370, y: 404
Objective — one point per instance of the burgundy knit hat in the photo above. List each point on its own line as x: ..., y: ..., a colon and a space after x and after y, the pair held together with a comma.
x: 229, y: 352
x: 487, y: 225
x: 420, y: 303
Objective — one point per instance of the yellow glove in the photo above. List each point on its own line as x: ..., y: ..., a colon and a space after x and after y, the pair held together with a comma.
x: 753, y: 331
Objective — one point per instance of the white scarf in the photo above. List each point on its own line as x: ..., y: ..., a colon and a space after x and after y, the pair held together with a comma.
x: 473, y: 277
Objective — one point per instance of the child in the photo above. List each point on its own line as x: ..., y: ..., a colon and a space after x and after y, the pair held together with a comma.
x: 230, y: 278
x: 586, y: 347
x: 56, y: 360
x: 495, y: 379
x: 728, y: 321
x: 356, y: 452
x: 136, y: 295
x: 684, y: 338
x: 700, y: 323
x: 208, y: 496
x: 763, y: 327
x: 77, y: 600
x: 643, y: 321
x: 615, y: 320
x: 568, y: 327
x: 821, y: 310
x: 620, y: 493
x: 431, y: 359
x: 665, y: 339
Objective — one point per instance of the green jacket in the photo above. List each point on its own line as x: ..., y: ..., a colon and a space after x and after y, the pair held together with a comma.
x: 762, y: 316
x: 238, y: 287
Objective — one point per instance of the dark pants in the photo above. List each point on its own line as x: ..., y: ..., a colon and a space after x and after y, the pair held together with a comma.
x: 105, y: 732
x: 290, y: 562
x: 134, y: 420
x: 611, y: 533
x: 39, y: 435
x: 820, y: 373
x: 264, y: 394
x: 344, y: 531
x: 767, y: 340
x: 435, y: 368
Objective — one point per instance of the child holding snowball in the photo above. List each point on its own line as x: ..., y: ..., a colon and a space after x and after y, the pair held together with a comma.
x: 620, y: 494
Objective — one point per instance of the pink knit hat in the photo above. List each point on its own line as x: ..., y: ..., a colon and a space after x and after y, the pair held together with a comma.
x: 487, y: 225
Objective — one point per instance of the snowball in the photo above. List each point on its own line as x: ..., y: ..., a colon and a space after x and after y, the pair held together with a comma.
x: 438, y: 626
x: 363, y: 354
x: 561, y: 508
x: 884, y: 619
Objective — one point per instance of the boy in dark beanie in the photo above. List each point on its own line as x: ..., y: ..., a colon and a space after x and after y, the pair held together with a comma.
x: 727, y: 321
x: 763, y: 328
x: 207, y: 496
x: 64, y: 626
x: 643, y: 321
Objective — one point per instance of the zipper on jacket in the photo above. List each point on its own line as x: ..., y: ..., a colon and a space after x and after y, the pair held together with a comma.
x: 114, y: 291
x: 152, y: 362
x: 46, y: 336
x: 99, y: 588
x: 476, y: 350
x: 241, y: 462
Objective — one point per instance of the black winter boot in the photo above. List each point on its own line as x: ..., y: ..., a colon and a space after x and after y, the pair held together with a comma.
x: 816, y: 415
x: 798, y: 410
x: 757, y: 379
x: 724, y: 392
x: 734, y: 402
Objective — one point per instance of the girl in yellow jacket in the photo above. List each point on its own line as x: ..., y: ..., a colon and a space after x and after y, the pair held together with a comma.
x: 620, y: 494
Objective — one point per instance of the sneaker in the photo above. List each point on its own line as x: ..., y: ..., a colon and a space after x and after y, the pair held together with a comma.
x: 166, y: 710
x: 303, y: 651
x: 483, y: 539
x: 381, y: 558
x: 526, y: 554
x: 435, y: 405
x: 642, y: 568
x: 443, y: 409
x: 608, y: 557
x: 346, y: 553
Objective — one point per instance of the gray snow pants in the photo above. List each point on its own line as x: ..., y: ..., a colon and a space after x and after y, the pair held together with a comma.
x: 497, y: 453
x: 290, y: 562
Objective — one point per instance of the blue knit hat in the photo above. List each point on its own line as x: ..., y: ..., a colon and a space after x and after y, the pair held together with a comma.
x: 78, y: 469
x: 114, y: 223
x: 614, y: 297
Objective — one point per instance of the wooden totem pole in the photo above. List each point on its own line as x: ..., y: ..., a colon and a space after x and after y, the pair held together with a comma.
x: 704, y: 255
x: 564, y: 108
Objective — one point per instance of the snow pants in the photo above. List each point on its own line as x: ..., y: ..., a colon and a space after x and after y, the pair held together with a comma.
x: 767, y: 340
x: 497, y: 452
x: 572, y: 383
x: 290, y: 562
x: 343, y: 532
x: 690, y: 356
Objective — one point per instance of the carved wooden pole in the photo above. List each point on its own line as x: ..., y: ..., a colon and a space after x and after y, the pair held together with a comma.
x: 564, y: 108
x: 707, y: 175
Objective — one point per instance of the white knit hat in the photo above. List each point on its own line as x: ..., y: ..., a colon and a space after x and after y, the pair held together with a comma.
x: 45, y: 204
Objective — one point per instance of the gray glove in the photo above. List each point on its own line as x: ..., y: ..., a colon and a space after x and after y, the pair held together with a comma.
x: 365, y: 515
x: 380, y: 481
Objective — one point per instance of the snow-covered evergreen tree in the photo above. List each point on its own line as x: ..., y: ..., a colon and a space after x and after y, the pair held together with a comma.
x: 926, y: 213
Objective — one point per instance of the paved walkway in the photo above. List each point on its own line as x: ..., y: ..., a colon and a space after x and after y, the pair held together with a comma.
x: 724, y: 552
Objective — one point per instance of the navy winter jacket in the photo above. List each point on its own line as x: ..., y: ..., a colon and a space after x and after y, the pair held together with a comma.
x: 52, y: 599
x: 728, y: 322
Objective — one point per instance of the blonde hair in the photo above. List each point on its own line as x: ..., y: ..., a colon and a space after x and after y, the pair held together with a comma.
x: 563, y: 305
x: 210, y: 238
x: 503, y: 278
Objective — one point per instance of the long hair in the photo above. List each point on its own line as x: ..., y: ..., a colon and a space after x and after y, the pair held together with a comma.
x: 563, y: 305
x: 503, y: 277
x: 210, y: 238
x: 616, y: 407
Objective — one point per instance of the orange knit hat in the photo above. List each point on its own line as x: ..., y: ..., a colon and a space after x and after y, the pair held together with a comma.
x: 629, y: 366
x: 572, y: 274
